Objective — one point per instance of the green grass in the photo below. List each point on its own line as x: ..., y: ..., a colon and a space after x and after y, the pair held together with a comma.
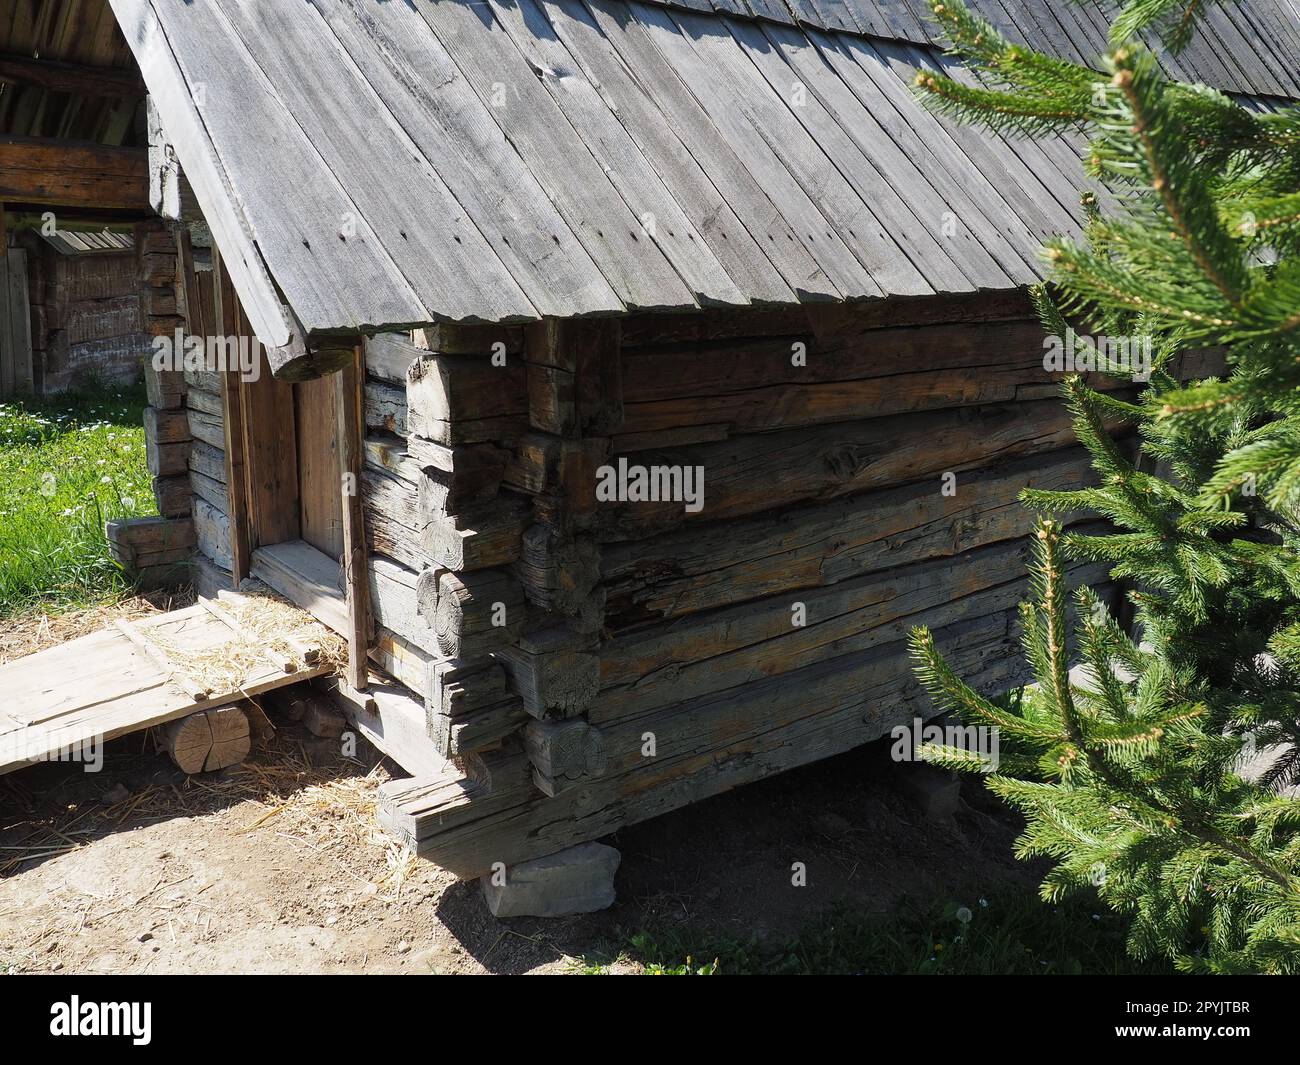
x: 1016, y: 934
x: 67, y: 465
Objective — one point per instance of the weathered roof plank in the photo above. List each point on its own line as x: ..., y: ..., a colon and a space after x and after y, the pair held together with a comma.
x: 369, y: 165
x: 637, y: 269
x: 740, y: 252
x: 663, y: 222
x: 850, y: 220
x: 890, y: 198
x: 439, y: 249
x: 454, y: 129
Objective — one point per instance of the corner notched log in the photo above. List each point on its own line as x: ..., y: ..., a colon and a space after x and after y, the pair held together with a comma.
x: 563, y: 753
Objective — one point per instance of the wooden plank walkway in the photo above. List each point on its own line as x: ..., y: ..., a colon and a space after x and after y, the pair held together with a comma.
x: 84, y: 692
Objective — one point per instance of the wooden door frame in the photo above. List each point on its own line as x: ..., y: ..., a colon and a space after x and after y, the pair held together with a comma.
x: 350, y: 404
x: 241, y: 436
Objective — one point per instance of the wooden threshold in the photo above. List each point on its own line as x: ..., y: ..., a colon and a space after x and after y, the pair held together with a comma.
x: 308, y: 578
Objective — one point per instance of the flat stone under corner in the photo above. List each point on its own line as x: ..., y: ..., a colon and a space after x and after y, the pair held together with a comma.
x: 577, y: 880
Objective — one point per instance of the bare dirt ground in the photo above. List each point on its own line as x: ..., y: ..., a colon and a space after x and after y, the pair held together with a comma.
x: 277, y: 866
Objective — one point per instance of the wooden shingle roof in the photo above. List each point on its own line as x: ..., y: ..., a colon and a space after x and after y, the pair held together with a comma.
x: 1248, y: 47
x: 372, y: 164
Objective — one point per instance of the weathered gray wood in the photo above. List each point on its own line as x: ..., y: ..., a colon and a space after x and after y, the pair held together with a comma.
x: 564, y: 753
x: 710, y: 652
x: 740, y: 253
x: 720, y: 86
x: 916, y: 233
x: 210, y: 489
x: 385, y: 407
x: 395, y: 603
x: 150, y: 540
x: 559, y: 683
x: 747, y: 475
x: 168, y: 64
x: 202, y: 400
x: 480, y: 538
x: 477, y: 612
x: 166, y: 426
x: 305, y: 577
x: 730, y: 562
x: 388, y: 355
x: 395, y: 724
x: 655, y: 102
x: 469, y: 708
x: 164, y: 389
x: 460, y: 688
x: 166, y: 460
x: 637, y: 270
x: 350, y: 431
x: 470, y: 338
x: 172, y: 494
x: 205, y: 427
x: 395, y: 199
x: 717, y: 743
x: 759, y: 385
x: 208, y: 461
x: 558, y: 572
x: 403, y: 661
x: 662, y: 220
x: 464, y: 398
x: 212, y: 532
x: 393, y: 523
x: 847, y: 116
x: 480, y: 730
x: 409, y: 68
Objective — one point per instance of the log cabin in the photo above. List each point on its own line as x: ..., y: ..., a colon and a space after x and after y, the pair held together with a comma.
x: 632, y: 374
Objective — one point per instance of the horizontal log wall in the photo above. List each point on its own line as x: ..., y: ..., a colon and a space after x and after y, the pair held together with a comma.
x: 860, y: 474
x: 167, y: 434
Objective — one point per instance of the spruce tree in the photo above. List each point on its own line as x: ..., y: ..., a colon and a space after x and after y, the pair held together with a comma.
x: 1132, y: 782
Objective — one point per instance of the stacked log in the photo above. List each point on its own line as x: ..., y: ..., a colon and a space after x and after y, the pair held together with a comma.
x: 154, y: 552
x: 860, y: 474
x: 444, y: 408
x: 166, y: 428
x: 203, y: 403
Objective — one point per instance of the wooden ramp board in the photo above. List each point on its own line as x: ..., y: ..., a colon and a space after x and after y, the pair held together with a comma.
x: 119, y: 680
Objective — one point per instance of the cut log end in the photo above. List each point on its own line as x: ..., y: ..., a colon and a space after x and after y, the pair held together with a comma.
x: 209, y: 740
x: 295, y: 364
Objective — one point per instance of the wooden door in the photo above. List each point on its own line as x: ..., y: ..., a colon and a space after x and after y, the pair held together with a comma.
x: 319, y: 497
x: 271, y: 457
x: 15, y: 324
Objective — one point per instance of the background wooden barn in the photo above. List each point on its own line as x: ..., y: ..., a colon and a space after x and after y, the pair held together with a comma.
x: 72, y: 183
x: 84, y: 301
x: 493, y: 248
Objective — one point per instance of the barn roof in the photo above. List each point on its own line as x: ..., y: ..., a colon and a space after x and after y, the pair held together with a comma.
x: 71, y: 242
x: 371, y: 164
x: 77, y: 37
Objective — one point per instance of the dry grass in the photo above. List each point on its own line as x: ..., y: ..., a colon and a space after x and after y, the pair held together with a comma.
x: 285, y: 629
x: 268, y: 625
x: 323, y: 807
x: 25, y: 634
